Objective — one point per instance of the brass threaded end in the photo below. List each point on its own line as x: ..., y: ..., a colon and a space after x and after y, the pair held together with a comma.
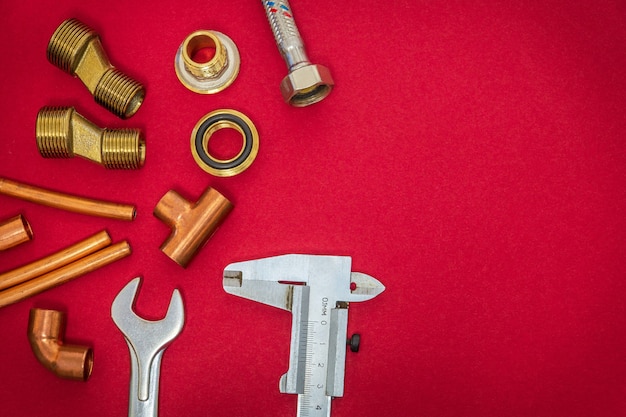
x: 68, y: 44
x: 119, y: 93
x: 196, y: 42
x: 54, y: 132
x: 123, y: 149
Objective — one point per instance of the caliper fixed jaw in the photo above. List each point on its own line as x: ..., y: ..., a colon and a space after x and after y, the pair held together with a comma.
x: 317, y: 290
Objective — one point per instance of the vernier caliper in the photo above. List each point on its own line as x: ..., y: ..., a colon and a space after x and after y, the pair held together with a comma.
x: 317, y: 290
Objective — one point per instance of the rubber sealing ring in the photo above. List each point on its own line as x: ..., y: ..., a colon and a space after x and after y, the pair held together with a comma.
x: 214, y: 121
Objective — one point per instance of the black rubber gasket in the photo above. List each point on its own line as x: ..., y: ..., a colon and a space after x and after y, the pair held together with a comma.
x: 216, y: 118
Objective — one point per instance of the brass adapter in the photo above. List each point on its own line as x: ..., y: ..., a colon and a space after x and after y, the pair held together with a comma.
x: 77, y: 50
x: 62, y: 133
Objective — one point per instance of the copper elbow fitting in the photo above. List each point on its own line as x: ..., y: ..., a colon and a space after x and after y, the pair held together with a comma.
x: 46, y: 330
x: 63, y: 133
x: 14, y: 231
x: 192, y: 224
x: 76, y: 49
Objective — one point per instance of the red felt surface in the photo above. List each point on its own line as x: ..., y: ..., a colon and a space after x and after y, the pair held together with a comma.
x: 471, y: 157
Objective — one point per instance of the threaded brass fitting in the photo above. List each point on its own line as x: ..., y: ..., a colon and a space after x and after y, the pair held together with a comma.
x: 76, y: 49
x: 62, y: 133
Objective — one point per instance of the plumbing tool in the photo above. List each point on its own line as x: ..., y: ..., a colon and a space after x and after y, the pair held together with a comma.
x: 317, y: 290
x: 147, y: 340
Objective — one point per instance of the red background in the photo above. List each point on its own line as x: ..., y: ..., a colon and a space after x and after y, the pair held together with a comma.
x: 471, y: 157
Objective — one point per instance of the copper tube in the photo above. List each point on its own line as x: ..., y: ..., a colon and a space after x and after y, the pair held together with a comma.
x: 66, y: 201
x: 67, y: 273
x: 192, y: 224
x: 46, y: 330
x: 56, y: 260
x: 14, y: 231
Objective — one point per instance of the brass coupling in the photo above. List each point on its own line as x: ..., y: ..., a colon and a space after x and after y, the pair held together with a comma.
x: 46, y: 330
x: 76, y: 49
x: 63, y: 133
x: 192, y: 224
x: 214, y: 75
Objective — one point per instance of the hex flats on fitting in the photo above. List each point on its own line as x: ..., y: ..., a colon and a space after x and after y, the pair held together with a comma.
x: 76, y: 49
x: 62, y: 133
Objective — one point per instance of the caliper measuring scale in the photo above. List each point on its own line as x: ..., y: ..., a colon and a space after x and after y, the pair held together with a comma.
x: 317, y: 291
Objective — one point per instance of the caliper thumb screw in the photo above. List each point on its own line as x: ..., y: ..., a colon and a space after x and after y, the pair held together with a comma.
x: 354, y: 342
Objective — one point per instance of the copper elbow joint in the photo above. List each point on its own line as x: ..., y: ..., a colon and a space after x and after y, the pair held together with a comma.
x: 192, y: 224
x: 76, y: 49
x: 63, y: 133
x: 14, y: 231
x: 46, y: 330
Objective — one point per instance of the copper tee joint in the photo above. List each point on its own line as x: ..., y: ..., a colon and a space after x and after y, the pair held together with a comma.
x: 192, y: 224
x: 14, y: 231
x: 76, y: 49
x: 63, y: 133
x: 46, y: 330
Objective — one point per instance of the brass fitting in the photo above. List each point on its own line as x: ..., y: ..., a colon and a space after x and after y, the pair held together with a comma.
x: 76, y: 49
x: 214, y: 75
x: 66, y: 201
x: 192, y: 224
x: 46, y: 330
x: 63, y: 133
x: 14, y: 231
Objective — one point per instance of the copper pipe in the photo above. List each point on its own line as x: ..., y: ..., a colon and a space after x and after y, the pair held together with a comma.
x: 192, y: 224
x: 67, y: 273
x: 56, y: 260
x: 46, y: 330
x: 66, y: 201
x: 14, y: 231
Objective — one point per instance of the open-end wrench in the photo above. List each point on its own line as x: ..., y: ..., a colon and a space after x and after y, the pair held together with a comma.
x: 147, y: 340
x: 317, y: 290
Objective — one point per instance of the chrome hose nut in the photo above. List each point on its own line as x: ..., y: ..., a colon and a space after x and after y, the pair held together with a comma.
x: 306, y: 83
x: 207, y: 77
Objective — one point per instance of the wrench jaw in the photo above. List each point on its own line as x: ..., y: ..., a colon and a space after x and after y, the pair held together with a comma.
x: 146, y: 340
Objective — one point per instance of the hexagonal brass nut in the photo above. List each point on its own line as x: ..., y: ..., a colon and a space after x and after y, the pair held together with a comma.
x: 306, y: 85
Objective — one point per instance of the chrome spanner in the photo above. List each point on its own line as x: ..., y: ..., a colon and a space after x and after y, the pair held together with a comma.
x: 147, y: 340
x: 316, y: 290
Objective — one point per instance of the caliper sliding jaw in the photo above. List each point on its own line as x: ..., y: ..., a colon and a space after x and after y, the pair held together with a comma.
x: 317, y: 290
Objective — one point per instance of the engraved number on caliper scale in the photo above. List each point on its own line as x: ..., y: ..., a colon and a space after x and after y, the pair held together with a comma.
x: 314, y: 400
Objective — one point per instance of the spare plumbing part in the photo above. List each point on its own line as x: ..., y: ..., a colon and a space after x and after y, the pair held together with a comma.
x: 63, y: 133
x: 147, y: 340
x: 66, y: 201
x: 76, y: 49
x: 46, y: 330
x: 306, y: 83
x: 214, y: 75
x: 56, y: 260
x: 14, y: 231
x: 317, y: 290
x: 192, y: 224
x: 211, y: 123
x: 65, y: 274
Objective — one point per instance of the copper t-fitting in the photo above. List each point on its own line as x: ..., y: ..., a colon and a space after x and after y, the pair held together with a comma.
x: 192, y: 224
